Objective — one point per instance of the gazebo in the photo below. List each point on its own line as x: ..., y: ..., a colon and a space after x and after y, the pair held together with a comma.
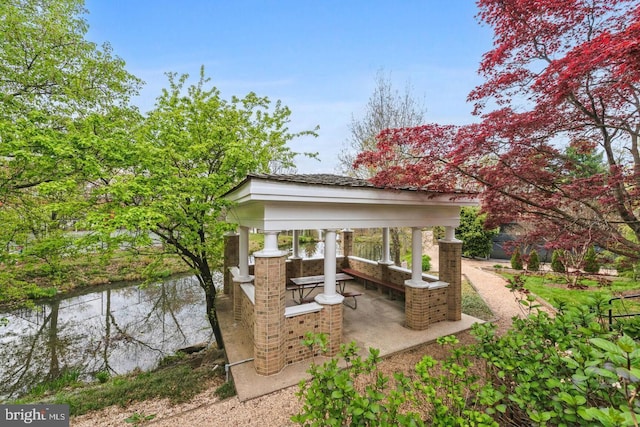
x: 334, y: 204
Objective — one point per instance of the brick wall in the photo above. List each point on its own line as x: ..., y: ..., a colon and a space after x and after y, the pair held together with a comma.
x: 248, y: 314
x: 295, y: 330
x: 425, y: 306
x: 438, y: 306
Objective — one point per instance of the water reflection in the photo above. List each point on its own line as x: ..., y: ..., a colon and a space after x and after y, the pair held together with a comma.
x: 114, y: 330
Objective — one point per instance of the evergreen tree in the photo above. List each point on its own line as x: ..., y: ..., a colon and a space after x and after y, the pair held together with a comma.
x: 556, y: 262
x: 590, y: 261
x: 533, y: 263
x: 516, y: 260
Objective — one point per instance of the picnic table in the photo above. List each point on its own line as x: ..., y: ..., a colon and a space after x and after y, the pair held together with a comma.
x: 304, y: 286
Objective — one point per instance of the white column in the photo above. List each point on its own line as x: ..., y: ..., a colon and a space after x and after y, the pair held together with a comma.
x: 386, y: 253
x: 270, y: 245
x: 244, y: 252
x: 416, y: 254
x: 450, y: 234
x: 296, y: 244
x: 329, y: 295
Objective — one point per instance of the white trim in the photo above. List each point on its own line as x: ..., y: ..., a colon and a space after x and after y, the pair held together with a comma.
x: 297, y: 310
x: 327, y: 299
x: 428, y: 277
x: 367, y: 261
x: 438, y: 285
x: 425, y: 285
x: 249, y: 291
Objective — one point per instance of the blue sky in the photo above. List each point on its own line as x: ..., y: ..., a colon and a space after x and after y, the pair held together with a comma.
x: 319, y: 57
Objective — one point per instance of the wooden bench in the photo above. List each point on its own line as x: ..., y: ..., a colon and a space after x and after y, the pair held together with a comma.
x: 351, y: 295
x: 374, y: 280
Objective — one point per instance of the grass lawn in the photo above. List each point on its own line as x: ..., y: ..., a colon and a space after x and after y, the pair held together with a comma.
x: 553, y: 289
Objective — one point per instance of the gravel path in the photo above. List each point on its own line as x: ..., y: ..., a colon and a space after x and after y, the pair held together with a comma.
x: 276, y: 408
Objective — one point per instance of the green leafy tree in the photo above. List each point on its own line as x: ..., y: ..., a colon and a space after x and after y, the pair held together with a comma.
x: 56, y: 89
x: 64, y: 114
x: 533, y: 262
x: 194, y: 147
x: 476, y: 239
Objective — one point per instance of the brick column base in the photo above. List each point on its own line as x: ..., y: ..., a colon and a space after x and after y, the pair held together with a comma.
x: 269, y: 331
x: 331, y: 325
x: 450, y: 268
x: 416, y: 308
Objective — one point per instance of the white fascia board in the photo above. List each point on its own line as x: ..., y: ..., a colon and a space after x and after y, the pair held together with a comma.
x: 297, y: 192
x: 288, y: 216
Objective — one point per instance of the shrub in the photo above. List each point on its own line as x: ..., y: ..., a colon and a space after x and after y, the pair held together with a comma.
x: 330, y: 398
x: 591, y: 264
x: 556, y: 262
x: 533, y: 263
x: 568, y: 369
x: 516, y: 260
x: 102, y: 376
x: 426, y: 263
x: 563, y: 370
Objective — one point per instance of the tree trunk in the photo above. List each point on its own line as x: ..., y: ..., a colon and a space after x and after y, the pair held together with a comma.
x: 395, y: 245
x: 206, y: 281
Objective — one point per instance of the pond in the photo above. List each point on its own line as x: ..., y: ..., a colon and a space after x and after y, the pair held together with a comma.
x: 117, y: 330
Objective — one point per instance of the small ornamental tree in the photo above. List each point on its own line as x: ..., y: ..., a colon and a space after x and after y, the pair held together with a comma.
x: 533, y: 263
x: 557, y: 108
x: 591, y: 264
x: 556, y: 262
x: 516, y: 260
x: 193, y: 148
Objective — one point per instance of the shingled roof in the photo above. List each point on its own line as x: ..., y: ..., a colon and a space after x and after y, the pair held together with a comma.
x: 341, y: 181
x: 320, y: 179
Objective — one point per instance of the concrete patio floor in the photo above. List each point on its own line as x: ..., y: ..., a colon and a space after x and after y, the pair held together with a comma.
x: 377, y: 322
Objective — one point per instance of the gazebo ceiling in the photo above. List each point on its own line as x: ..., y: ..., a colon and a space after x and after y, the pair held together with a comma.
x: 321, y: 201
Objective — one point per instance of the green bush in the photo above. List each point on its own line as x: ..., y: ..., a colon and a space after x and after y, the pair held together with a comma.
x: 426, y: 261
x: 330, y: 398
x: 627, y: 267
x: 533, y: 263
x: 102, y: 376
x: 516, y: 259
x: 556, y: 262
x: 591, y: 264
x: 563, y: 370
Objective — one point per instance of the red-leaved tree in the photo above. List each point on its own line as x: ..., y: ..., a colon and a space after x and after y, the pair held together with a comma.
x: 557, y: 141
